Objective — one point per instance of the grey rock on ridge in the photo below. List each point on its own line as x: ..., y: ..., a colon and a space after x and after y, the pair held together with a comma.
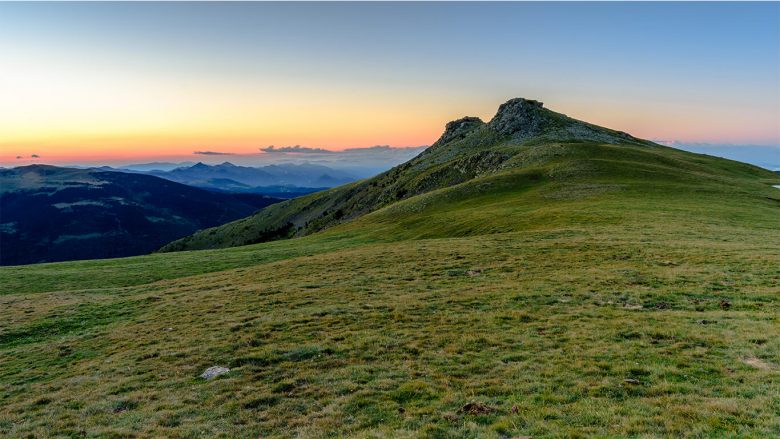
x: 520, y: 118
x: 459, y: 128
x: 524, y: 119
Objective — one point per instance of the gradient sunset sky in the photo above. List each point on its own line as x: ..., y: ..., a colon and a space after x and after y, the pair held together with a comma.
x: 87, y: 82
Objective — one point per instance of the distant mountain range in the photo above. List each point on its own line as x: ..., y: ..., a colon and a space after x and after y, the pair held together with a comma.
x: 286, y: 180
x: 50, y: 213
x: 155, y: 166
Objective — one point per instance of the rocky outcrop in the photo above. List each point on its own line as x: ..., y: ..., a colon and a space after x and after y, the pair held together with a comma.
x: 524, y: 119
x: 520, y: 118
x: 457, y: 129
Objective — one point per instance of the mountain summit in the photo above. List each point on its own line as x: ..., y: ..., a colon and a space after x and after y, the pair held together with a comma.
x: 525, y: 145
x: 457, y: 129
x: 523, y: 119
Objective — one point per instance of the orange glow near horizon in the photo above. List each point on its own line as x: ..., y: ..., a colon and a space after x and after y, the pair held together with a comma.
x: 77, y: 113
x: 67, y: 112
x: 245, y: 130
x: 74, y: 148
x: 63, y: 111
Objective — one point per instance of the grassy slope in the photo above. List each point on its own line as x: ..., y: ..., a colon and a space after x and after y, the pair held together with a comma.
x: 537, y: 291
x: 461, y: 154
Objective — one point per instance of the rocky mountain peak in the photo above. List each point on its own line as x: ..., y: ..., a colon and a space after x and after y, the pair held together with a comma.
x: 521, y: 120
x: 520, y: 117
x: 458, y: 128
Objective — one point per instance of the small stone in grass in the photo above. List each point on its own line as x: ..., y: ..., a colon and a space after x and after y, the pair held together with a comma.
x: 631, y: 381
x: 213, y: 372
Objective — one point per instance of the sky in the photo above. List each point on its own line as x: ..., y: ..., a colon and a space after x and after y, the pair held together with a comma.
x: 112, y: 83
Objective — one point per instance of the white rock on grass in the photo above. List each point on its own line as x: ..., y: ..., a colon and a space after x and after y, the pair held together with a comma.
x: 214, y: 371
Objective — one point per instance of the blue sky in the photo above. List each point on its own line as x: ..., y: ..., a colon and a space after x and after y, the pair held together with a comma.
x: 145, y: 80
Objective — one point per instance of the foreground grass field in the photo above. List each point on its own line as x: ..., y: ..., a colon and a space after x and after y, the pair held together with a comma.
x: 589, y: 318
x: 488, y: 288
x: 559, y: 333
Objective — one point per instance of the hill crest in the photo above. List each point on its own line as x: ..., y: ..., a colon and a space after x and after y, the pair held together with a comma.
x: 532, y: 145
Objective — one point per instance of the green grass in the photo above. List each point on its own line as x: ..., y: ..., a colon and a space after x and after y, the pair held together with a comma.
x: 484, y: 162
x: 590, y: 290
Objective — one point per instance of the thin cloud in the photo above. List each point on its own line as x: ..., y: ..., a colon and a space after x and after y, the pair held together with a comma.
x: 369, y: 148
x: 212, y: 153
x: 296, y: 149
x: 382, y: 148
x: 35, y: 156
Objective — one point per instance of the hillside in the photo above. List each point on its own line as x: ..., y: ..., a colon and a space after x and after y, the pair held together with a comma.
x: 56, y: 214
x: 531, y: 276
x: 468, y: 149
